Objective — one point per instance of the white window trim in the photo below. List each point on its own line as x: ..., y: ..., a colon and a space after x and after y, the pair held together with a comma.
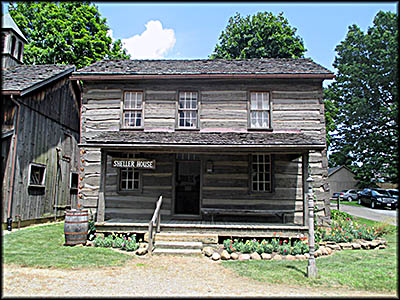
x: 123, y: 110
x: 188, y: 110
x: 267, y: 110
x: 41, y: 184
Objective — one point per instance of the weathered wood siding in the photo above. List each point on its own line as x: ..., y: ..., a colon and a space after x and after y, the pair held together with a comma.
x: 223, y: 104
x: 229, y: 184
x: 140, y: 204
x: 295, y: 105
x: 46, y: 118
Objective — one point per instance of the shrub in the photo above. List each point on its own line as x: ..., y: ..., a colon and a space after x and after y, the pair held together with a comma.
x: 285, y: 249
x: 91, y: 231
x: 117, y: 242
x: 98, y: 241
x: 129, y: 244
x: 108, y: 241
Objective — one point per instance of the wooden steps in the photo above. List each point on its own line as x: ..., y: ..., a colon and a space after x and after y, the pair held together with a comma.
x: 181, y: 243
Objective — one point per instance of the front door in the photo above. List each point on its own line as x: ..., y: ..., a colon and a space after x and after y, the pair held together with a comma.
x: 187, y: 187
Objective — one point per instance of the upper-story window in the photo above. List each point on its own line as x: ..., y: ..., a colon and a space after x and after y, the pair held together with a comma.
x: 259, y: 110
x: 188, y: 110
x: 132, y: 115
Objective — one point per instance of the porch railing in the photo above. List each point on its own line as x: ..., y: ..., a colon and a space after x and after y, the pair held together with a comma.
x: 154, y: 223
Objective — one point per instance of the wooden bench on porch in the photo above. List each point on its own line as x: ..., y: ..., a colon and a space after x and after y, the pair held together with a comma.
x: 281, y: 213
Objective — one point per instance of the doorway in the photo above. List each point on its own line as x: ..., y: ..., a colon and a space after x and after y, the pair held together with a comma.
x: 187, y: 187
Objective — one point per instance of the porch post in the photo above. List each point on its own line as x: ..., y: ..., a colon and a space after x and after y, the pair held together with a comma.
x: 312, y: 267
x: 101, y: 203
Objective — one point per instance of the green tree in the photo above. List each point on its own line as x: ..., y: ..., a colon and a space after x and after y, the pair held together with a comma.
x: 365, y: 94
x: 64, y: 33
x: 260, y: 36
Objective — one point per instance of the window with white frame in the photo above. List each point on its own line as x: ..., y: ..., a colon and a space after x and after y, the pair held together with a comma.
x: 187, y: 110
x: 37, y: 175
x: 132, y: 115
x: 259, y: 110
x: 261, y: 172
x: 129, y: 179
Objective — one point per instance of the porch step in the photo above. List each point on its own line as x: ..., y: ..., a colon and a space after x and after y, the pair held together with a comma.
x: 205, y: 238
x: 178, y: 245
x: 160, y: 251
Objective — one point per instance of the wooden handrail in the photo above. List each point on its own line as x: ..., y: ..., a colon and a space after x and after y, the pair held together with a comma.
x: 154, y: 222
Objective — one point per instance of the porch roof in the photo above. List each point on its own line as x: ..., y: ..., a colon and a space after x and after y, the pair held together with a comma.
x: 281, y: 140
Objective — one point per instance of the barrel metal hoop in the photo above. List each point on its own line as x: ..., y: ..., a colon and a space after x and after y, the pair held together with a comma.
x: 76, y: 233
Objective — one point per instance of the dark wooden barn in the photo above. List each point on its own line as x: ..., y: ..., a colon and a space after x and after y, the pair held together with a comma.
x: 39, y: 138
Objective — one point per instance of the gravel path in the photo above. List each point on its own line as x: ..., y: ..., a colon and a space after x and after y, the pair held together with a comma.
x: 157, y: 276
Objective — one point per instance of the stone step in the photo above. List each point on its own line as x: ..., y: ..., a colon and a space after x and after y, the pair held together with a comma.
x: 178, y: 245
x: 205, y: 238
x: 194, y: 252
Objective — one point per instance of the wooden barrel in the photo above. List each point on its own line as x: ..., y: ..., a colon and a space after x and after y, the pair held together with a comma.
x: 76, y: 226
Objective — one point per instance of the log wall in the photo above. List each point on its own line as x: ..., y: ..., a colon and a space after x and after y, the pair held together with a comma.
x: 223, y: 104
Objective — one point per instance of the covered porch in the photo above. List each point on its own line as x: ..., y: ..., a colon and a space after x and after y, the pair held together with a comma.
x: 260, y: 189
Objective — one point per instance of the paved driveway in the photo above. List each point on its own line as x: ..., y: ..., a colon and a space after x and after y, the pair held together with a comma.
x: 377, y: 214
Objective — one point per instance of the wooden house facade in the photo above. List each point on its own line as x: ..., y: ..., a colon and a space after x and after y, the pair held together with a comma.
x: 223, y: 141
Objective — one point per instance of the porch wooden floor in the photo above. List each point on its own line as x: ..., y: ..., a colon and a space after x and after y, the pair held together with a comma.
x: 237, y: 229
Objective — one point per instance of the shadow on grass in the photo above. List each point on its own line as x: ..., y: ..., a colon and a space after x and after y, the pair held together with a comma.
x: 298, y: 270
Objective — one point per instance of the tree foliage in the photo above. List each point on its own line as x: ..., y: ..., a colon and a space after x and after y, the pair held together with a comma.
x: 365, y: 95
x: 64, y: 33
x: 260, y: 36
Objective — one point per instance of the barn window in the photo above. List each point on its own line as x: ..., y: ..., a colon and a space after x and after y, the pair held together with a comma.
x: 261, y: 172
x: 259, y: 110
x: 132, y: 110
x: 20, y: 51
x: 129, y: 178
x: 37, y: 175
x: 13, y: 42
x: 187, y: 110
x: 74, y: 181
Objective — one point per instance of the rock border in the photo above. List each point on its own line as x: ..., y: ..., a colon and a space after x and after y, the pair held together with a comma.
x: 325, y: 248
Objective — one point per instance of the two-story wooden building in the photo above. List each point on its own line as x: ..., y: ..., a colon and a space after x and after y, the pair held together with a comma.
x: 223, y: 141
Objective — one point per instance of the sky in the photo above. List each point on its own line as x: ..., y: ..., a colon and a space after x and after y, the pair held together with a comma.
x: 190, y: 30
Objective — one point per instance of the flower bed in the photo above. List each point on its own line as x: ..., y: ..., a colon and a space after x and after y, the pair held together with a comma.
x: 124, y: 242
x: 343, y: 234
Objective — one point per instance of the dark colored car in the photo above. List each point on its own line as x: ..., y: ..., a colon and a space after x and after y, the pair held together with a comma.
x: 377, y: 197
x: 394, y: 193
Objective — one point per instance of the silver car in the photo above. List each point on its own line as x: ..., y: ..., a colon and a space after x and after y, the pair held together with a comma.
x: 348, y: 195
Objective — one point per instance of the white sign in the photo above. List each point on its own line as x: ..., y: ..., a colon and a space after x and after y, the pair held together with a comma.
x: 135, y: 163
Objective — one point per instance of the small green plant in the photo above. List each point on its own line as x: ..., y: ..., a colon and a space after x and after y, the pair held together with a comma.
x: 129, y: 244
x: 91, y: 231
x: 108, y: 241
x: 117, y: 242
x: 284, y: 248
x: 98, y: 241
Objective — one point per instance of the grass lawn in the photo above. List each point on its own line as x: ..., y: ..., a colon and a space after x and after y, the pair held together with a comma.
x: 352, y: 203
x: 42, y: 246
x: 370, y: 270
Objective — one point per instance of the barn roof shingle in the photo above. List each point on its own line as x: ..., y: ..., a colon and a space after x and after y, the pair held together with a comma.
x: 22, y: 79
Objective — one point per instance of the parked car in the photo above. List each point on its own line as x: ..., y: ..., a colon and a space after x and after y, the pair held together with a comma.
x: 394, y: 193
x: 348, y: 195
x: 335, y: 196
x: 377, y: 197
